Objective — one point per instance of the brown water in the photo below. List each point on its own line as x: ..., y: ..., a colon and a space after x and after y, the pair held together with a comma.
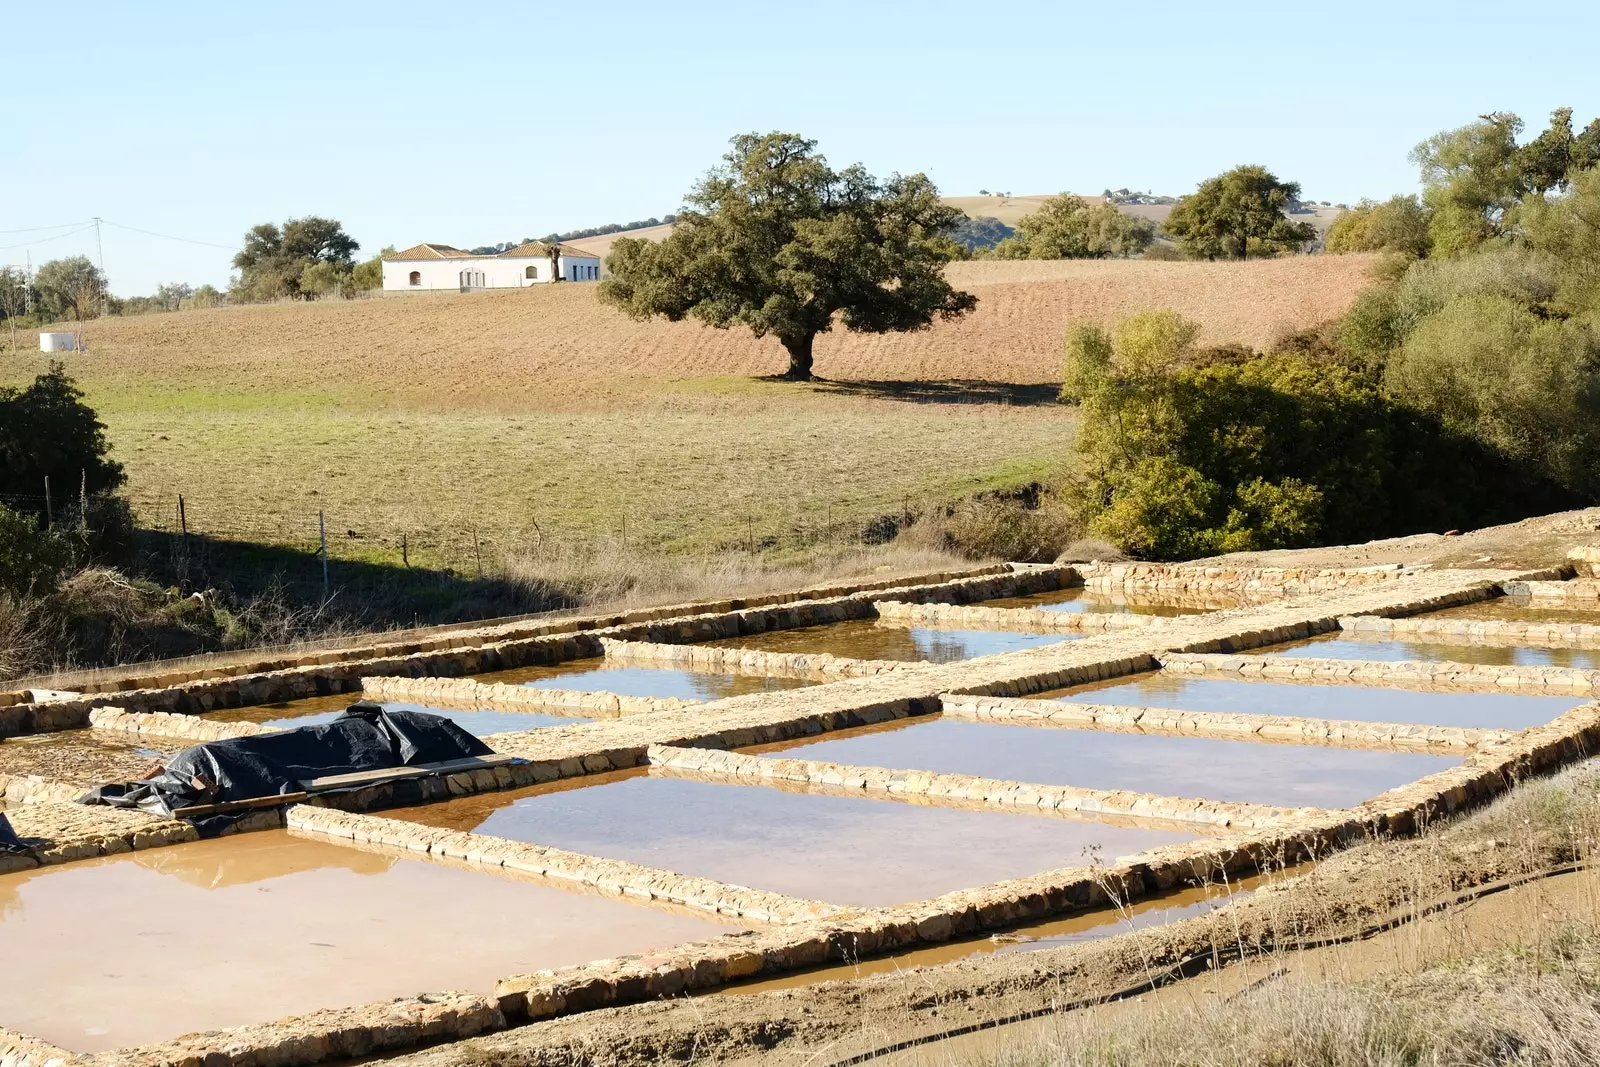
x: 1079, y: 599
x: 1093, y: 925
x: 144, y: 947
x: 312, y: 711
x: 600, y: 675
x: 841, y: 849
x: 1337, y: 646
x: 1245, y: 771
x: 867, y: 639
x: 1524, y: 609
x: 1359, y: 702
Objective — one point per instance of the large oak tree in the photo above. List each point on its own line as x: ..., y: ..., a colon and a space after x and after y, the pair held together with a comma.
x: 779, y: 242
x: 1239, y: 213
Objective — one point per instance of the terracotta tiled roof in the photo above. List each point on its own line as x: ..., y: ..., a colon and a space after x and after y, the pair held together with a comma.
x: 431, y: 251
x: 539, y: 248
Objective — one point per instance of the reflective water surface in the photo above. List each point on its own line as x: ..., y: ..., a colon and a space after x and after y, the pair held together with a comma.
x: 1293, y: 775
x: 1343, y: 646
x: 842, y: 849
x: 868, y: 639
x: 149, y: 945
x: 1359, y: 702
x: 1524, y: 609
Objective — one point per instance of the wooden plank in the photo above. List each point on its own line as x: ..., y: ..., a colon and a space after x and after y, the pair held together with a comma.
x: 420, y: 770
x: 226, y: 806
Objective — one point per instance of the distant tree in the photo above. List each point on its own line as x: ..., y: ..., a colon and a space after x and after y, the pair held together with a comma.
x: 73, y: 285
x: 1066, y: 227
x: 1399, y: 224
x: 206, y: 296
x: 984, y: 231
x: 13, y: 298
x: 172, y: 295
x: 274, y: 258
x: 46, y: 430
x: 323, y: 278
x: 781, y: 243
x: 1238, y: 214
x: 553, y: 250
x: 368, y: 274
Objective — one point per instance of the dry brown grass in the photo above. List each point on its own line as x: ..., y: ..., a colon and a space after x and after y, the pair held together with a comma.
x: 513, y: 347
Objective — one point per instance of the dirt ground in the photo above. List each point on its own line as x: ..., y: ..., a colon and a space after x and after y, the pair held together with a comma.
x: 1531, y: 543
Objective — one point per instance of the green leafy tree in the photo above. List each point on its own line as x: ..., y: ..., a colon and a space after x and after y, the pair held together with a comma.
x: 1399, y: 224
x: 779, y: 242
x: 1066, y: 227
x: 1239, y: 214
x: 172, y: 295
x: 274, y: 258
x: 72, y: 286
x: 1471, y: 180
x: 368, y: 274
x: 46, y: 430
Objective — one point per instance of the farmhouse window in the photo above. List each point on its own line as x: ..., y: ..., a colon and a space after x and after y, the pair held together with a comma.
x: 416, y: 277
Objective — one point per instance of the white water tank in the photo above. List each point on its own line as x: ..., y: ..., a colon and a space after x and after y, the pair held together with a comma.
x: 58, y: 342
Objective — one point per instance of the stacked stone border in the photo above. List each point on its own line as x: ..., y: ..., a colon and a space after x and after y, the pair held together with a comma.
x: 468, y: 693
x: 1228, y: 726
x: 1509, y: 633
x: 1403, y: 674
x: 1026, y: 620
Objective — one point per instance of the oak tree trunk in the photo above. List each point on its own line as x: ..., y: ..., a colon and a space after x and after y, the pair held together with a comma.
x: 799, y: 349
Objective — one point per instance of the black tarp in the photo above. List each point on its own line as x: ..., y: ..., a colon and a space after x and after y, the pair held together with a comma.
x: 10, y: 843
x: 365, y: 738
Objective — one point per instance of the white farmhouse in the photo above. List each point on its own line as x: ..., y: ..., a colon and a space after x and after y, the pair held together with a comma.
x: 435, y: 267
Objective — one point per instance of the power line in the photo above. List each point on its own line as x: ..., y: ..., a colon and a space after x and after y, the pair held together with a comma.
x: 36, y: 229
x: 169, y: 237
x: 55, y: 237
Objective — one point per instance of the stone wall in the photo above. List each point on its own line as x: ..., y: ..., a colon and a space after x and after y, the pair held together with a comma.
x: 1233, y: 726
x: 710, y: 659
x: 1506, y: 633
x: 160, y: 724
x: 1472, y: 677
x: 466, y: 693
x: 1024, y: 620
x: 22, y: 1050
x: 965, y: 790
x: 1272, y: 582
x: 609, y: 877
x: 1580, y: 593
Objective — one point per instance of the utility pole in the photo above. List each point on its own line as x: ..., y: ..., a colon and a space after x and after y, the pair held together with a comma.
x: 100, y: 254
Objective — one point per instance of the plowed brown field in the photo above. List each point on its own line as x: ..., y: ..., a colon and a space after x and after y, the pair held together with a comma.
x: 435, y: 416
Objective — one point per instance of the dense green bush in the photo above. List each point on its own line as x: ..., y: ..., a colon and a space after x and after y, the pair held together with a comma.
x: 47, y: 431
x: 1187, y: 452
x: 31, y: 560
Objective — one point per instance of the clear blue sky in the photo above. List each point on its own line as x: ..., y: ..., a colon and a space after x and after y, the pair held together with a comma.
x: 485, y: 121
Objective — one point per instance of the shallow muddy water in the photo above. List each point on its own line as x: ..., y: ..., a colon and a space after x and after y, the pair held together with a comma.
x: 867, y: 639
x: 1291, y: 775
x: 598, y: 675
x: 1524, y: 609
x: 841, y: 849
x: 1338, y: 646
x: 150, y: 945
x: 314, y: 710
x: 1079, y: 599
x: 1359, y: 702
x: 84, y: 756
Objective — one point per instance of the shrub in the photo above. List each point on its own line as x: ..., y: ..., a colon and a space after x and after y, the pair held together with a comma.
x: 47, y: 431
x: 31, y: 560
x: 1186, y: 452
